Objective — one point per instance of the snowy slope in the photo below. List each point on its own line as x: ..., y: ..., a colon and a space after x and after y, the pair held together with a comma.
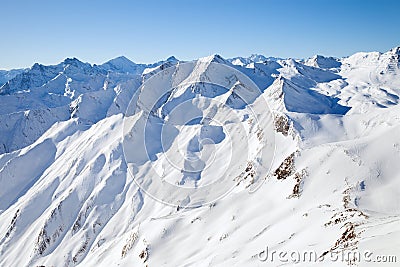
x: 212, y: 162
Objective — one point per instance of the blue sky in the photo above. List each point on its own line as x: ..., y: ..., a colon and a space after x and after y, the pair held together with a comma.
x: 147, y: 31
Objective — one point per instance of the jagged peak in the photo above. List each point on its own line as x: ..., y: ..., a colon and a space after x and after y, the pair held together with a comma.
x: 253, y: 58
x: 37, y: 66
x: 257, y: 58
x: 72, y: 61
x: 318, y: 56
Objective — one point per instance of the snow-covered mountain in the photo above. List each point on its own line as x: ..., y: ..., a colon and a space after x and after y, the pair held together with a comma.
x: 323, y: 62
x: 6, y: 75
x: 254, y: 58
x: 123, y: 65
x: 211, y: 162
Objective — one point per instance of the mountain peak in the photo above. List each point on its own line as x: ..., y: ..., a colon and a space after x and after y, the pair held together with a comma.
x: 257, y: 58
x: 323, y: 62
x: 37, y: 66
x: 172, y: 59
x: 122, y: 64
x: 215, y: 58
x: 72, y: 61
x: 120, y: 59
x: 253, y: 58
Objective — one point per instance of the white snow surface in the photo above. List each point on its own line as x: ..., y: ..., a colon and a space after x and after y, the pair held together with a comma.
x: 117, y: 164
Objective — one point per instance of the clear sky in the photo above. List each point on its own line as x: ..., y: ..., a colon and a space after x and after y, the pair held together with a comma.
x: 150, y: 30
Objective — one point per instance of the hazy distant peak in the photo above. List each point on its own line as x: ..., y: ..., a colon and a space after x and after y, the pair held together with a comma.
x: 172, y: 59
x: 323, y: 62
x: 122, y: 64
x: 120, y: 60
